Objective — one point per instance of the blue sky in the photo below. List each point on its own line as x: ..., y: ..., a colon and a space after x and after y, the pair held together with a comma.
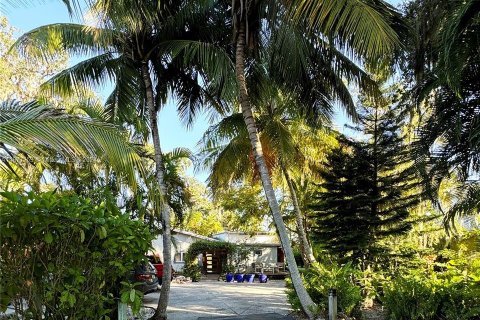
x: 173, y: 134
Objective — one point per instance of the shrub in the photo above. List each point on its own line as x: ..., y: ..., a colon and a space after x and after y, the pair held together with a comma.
x: 451, y: 294
x: 319, y: 278
x: 62, y: 257
x: 371, y: 282
x: 193, y: 271
x: 410, y: 297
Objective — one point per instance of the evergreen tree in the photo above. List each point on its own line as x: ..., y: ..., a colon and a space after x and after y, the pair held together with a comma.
x: 367, y: 192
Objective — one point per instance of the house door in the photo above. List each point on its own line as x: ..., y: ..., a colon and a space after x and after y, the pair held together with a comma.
x: 213, y: 261
x: 280, y: 255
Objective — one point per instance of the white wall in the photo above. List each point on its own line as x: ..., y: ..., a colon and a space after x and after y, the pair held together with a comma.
x: 268, y: 257
x: 180, y: 245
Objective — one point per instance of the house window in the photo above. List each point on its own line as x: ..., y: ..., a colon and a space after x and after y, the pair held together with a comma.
x: 179, y: 257
x: 258, y: 252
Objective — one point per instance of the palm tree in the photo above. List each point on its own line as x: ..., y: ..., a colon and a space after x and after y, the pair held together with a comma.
x: 177, y: 196
x: 226, y: 150
x: 134, y: 50
x: 446, y: 93
x: 444, y: 42
x: 343, y: 21
x: 30, y: 130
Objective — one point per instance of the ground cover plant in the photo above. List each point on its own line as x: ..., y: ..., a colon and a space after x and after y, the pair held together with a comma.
x: 451, y: 294
x: 446, y: 288
x: 64, y: 257
x: 319, y: 278
x: 440, y: 284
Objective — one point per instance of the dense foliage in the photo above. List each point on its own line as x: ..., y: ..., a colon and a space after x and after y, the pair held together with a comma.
x: 319, y: 278
x: 440, y: 284
x: 63, y: 257
x: 451, y: 292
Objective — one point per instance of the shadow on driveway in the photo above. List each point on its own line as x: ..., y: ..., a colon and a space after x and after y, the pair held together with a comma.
x: 220, y: 300
x: 261, y: 316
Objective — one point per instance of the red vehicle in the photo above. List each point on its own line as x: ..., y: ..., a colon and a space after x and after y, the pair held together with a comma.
x: 157, y: 263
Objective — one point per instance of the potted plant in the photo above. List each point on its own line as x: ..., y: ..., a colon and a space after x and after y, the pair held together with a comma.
x: 250, y: 277
x: 239, y: 277
x: 239, y: 257
x: 229, y: 269
x: 262, y: 278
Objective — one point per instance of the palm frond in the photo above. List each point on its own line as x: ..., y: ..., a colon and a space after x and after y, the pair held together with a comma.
x: 288, y: 53
x: 468, y: 203
x: 227, y: 129
x: 192, y: 92
x: 82, y: 139
x: 363, y: 25
x: 278, y: 137
x: 12, y: 109
x: 126, y: 102
x: 93, y: 72
x: 224, y: 150
x: 179, y: 153
x: 216, y: 64
x: 76, y: 39
x: 460, y: 40
x: 228, y: 163
x: 94, y: 109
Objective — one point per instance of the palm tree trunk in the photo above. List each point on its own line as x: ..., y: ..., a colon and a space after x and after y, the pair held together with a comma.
x: 304, y: 297
x: 161, y: 312
x: 305, y: 248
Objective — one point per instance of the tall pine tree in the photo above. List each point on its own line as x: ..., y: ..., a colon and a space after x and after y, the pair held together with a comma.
x: 368, y: 189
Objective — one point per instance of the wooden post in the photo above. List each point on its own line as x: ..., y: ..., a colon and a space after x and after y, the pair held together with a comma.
x: 332, y: 304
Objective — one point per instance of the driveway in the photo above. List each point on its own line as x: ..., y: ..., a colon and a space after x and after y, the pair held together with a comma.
x: 209, y: 299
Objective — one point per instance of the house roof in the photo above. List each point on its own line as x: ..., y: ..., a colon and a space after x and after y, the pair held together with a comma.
x: 192, y: 234
x: 243, y: 233
x: 258, y: 239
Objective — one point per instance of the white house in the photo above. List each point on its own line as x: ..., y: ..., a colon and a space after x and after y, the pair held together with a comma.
x: 181, y: 241
x: 266, y: 254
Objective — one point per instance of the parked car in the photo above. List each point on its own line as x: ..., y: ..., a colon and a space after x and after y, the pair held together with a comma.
x: 146, y: 275
x: 157, y: 263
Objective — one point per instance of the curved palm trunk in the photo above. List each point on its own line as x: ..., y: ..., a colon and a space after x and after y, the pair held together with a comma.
x: 305, y: 247
x: 161, y: 312
x: 305, y: 299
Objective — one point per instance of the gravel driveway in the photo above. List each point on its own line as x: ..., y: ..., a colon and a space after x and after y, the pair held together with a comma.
x: 209, y: 299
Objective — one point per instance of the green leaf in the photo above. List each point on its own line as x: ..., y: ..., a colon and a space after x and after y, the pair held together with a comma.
x: 49, y: 238
x: 82, y: 236
x: 132, y: 295
x: 103, y: 232
x: 125, y: 297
